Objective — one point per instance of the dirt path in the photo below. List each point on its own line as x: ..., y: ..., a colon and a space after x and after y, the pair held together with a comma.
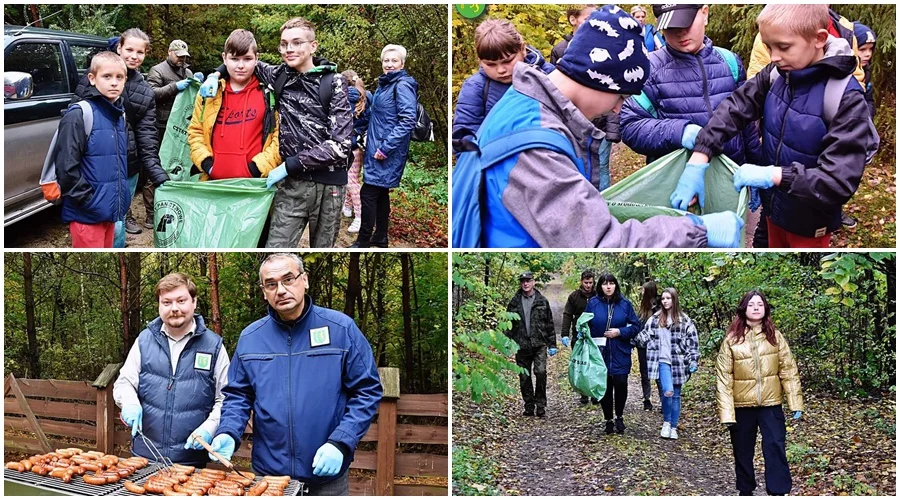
x: 567, y: 452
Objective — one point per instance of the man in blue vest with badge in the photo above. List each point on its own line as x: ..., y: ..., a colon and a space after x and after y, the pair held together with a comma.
x: 309, y: 376
x: 170, y: 386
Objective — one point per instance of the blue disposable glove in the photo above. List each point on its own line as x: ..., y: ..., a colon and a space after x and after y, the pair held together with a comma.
x: 797, y: 415
x: 754, y: 176
x: 209, y: 87
x: 223, y: 444
x: 199, y: 77
x: 133, y: 416
x: 552, y: 351
x: 692, y: 368
x: 723, y: 229
x: 328, y: 460
x: 565, y: 341
x: 276, y: 175
x: 755, y: 199
x: 193, y: 444
x: 183, y: 84
x: 690, y: 135
x: 690, y: 184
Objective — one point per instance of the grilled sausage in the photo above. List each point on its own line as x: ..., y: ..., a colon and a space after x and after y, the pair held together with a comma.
x: 134, y: 488
x: 15, y: 466
x: 258, y: 488
x: 95, y: 480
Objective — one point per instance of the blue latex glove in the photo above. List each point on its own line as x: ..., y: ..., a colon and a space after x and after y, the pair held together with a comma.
x: 754, y: 176
x: 565, y: 341
x: 690, y: 184
x: 193, y: 444
x: 552, y: 351
x: 183, y: 84
x: 692, y: 368
x: 797, y: 415
x: 223, y: 444
x: 133, y: 416
x: 199, y: 77
x: 328, y: 460
x: 276, y: 175
x: 209, y: 87
x: 690, y: 135
x: 755, y: 199
x: 723, y: 229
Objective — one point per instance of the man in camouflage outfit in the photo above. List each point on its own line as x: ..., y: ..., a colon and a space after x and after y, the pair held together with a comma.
x: 536, y: 339
x: 314, y: 139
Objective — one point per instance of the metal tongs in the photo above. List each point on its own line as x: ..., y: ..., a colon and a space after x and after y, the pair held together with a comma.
x: 220, y: 458
x: 162, y: 463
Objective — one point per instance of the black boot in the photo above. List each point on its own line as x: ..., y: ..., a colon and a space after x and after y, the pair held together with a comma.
x: 529, y: 411
x: 620, y: 426
x: 541, y: 411
x: 648, y: 406
x: 584, y: 400
x: 609, y: 427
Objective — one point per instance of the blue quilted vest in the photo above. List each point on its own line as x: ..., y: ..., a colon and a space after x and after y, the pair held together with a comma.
x: 174, y: 406
x: 104, y: 165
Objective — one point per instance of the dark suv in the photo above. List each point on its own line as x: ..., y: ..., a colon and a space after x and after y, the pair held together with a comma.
x: 41, y: 69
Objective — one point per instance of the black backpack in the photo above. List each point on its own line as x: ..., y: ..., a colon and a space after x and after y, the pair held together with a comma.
x: 424, y: 129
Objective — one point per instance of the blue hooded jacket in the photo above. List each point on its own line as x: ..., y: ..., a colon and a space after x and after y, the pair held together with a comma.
x: 302, y: 396
x: 391, y: 122
x: 684, y: 89
x: 361, y: 122
x: 617, y: 352
x: 472, y: 106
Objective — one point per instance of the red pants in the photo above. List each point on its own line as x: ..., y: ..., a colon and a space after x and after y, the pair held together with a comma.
x: 92, y: 235
x: 779, y: 238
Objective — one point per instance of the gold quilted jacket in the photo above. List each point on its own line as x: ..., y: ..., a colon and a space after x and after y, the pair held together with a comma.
x: 755, y: 373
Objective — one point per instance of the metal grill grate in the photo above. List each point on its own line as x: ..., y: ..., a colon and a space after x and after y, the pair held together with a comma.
x: 291, y: 490
x: 77, y: 486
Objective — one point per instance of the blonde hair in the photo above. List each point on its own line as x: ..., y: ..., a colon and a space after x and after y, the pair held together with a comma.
x: 399, y: 49
x: 106, y: 57
x: 637, y: 8
x: 134, y: 33
x: 299, y: 22
x: 356, y: 81
x: 804, y: 20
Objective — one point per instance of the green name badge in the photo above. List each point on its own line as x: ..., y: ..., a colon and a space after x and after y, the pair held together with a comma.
x: 319, y: 337
x: 203, y: 361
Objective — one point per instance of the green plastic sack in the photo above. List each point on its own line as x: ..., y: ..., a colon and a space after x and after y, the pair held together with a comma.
x: 587, y: 371
x: 228, y: 213
x: 175, y: 152
x: 646, y: 193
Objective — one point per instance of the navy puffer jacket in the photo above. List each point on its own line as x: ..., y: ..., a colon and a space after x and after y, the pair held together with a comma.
x: 392, y: 120
x: 684, y: 91
x: 471, y: 105
x: 619, y: 314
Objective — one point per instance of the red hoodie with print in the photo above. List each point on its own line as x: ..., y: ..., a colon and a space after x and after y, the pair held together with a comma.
x: 237, y: 135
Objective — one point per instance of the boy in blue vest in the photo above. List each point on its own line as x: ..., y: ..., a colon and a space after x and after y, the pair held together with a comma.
x: 92, y: 170
x: 812, y: 167
x: 544, y: 196
x: 499, y: 47
x: 170, y: 387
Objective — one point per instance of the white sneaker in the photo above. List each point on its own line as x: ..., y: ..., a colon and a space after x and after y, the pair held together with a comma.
x: 673, y: 433
x: 354, y: 226
x: 347, y: 211
x: 666, y: 430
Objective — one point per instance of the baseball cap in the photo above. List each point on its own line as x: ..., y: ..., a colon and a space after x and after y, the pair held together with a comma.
x: 675, y: 15
x: 179, y: 47
x: 527, y: 275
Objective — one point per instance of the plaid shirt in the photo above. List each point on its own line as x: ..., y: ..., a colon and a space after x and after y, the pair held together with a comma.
x: 685, y: 347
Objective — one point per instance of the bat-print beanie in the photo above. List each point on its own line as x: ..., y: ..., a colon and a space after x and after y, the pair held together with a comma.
x: 607, y: 53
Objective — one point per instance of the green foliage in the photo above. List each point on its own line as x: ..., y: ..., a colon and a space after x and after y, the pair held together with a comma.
x: 473, y: 474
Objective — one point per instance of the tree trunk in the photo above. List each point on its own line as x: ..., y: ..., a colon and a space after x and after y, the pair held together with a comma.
x: 424, y: 383
x: 214, y: 293
x: 34, y: 366
x: 134, y: 298
x: 379, y: 310
x: 35, y: 15
x: 123, y: 304
x: 354, y: 288
x: 410, y: 377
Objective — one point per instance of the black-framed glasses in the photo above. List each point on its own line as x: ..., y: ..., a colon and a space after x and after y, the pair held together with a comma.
x: 271, y: 286
x: 292, y: 45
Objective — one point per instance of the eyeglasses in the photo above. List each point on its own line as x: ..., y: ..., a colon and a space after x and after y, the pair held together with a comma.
x: 271, y: 286
x: 293, y: 45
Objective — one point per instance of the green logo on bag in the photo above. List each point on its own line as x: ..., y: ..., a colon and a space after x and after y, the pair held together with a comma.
x: 471, y: 10
x: 169, y: 222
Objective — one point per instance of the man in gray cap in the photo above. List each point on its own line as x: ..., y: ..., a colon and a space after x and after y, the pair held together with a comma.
x: 534, y: 334
x: 167, y: 78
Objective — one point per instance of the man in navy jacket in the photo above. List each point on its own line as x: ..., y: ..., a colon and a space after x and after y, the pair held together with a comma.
x: 309, y: 376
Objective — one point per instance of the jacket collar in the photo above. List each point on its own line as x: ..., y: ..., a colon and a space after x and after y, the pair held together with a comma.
x: 535, y: 84
x: 155, y: 326
x: 100, y: 100
x: 307, y: 307
x: 393, y: 76
x: 838, y: 62
x: 704, y: 52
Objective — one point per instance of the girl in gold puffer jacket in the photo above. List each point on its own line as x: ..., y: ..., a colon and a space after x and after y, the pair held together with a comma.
x: 754, y: 370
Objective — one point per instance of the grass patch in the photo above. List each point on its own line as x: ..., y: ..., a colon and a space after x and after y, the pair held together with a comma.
x: 473, y: 473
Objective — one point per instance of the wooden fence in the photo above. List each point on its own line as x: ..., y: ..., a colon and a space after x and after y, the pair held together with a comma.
x: 42, y: 407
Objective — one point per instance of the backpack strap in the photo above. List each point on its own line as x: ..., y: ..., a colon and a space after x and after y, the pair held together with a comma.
x: 831, y: 99
x: 515, y: 142
x: 644, y: 102
x: 485, y: 91
x: 280, y: 81
x: 326, y: 90
x: 87, y: 113
x: 730, y: 60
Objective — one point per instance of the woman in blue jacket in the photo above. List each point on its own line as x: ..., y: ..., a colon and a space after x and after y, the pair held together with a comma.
x: 392, y: 120
x: 612, y: 328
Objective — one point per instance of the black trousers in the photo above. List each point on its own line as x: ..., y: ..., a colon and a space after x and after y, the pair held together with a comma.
x: 768, y: 421
x: 535, y: 361
x: 645, y: 376
x: 616, y: 389
x: 376, y: 214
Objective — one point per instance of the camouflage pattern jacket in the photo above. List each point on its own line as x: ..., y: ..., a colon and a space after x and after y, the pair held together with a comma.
x: 541, y: 322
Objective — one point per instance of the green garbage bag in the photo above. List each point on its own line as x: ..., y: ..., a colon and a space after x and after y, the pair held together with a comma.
x: 646, y: 192
x: 228, y: 213
x: 587, y: 371
x: 174, y: 152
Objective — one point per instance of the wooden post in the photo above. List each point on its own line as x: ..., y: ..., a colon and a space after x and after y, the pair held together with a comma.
x: 11, y: 385
x: 106, y: 408
x: 387, y: 431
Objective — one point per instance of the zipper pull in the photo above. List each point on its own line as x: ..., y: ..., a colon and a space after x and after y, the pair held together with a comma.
x: 171, y: 382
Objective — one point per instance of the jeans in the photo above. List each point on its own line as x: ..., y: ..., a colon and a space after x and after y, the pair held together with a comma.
x: 119, y: 235
x: 605, y: 149
x: 671, y: 405
x: 338, y: 487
